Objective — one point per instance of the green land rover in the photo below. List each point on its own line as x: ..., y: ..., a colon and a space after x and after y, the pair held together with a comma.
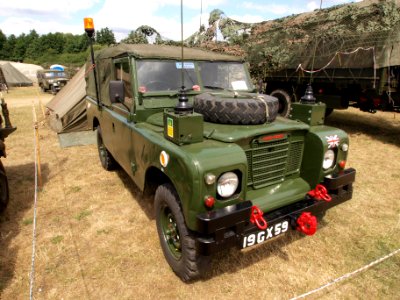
x: 225, y: 170
x: 53, y: 80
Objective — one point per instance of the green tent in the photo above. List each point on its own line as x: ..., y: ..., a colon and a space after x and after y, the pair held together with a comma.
x: 67, y: 110
x: 13, y: 77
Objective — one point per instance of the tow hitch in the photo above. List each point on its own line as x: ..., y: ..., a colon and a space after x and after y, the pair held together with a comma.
x: 307, y: 223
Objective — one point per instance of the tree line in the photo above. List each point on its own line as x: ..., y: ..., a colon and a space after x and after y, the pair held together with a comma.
x: 66, y: 48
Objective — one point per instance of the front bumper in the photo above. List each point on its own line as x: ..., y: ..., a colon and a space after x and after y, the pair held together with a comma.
x: 225, y: 228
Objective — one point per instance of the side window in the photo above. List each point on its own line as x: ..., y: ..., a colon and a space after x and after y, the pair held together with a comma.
x: 122, y: 73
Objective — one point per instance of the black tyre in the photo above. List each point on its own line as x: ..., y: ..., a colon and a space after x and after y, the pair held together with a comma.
x: 106, y: 159
x: 43, y: 89
x: 284, y: 102
x: 4, y: 192
x: 53, y: 90
x: 177, y: 242
x: 248, y: 111
x: 328, y: 111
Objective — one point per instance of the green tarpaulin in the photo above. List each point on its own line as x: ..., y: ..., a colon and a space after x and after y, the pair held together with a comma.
x: 13, y: 77
x: 68, y: 108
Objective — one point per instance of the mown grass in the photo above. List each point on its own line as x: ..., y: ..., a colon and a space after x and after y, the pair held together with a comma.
x: 96, y: 237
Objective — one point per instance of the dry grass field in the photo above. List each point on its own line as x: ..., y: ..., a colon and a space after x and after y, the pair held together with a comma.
x: 96, y: 235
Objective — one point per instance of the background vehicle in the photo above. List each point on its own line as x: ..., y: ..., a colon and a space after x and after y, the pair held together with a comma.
x: 223, y: 168
x: 52, y: 80
x: 349, y: 53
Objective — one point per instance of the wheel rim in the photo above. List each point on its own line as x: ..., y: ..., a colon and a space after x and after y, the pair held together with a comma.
x: 170, y: 232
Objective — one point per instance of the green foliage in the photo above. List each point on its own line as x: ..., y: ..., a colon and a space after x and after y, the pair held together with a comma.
x: 52, y: 48
x: 135, y: 38
x: 143, y: 35
x: 105, y: 36
x: 215, y: 15
x: 3, y: 44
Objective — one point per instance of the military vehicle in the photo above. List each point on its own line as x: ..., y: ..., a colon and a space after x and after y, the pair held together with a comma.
x: 52, y: 80
x: 5, y: 130
x: 224, y: 169
x: 349, y: 53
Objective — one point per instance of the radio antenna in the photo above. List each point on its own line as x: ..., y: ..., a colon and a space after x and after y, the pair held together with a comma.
x: 315, y: 47
x: 183, y: 105
x: 201, y: 12
x: 182, y: 75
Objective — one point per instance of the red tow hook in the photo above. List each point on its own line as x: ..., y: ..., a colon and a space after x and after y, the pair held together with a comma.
x: 320, y: 193
x: 257, y: 217
x: 307, y: 223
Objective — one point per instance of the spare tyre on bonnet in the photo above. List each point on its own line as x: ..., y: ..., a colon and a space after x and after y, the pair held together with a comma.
x: 246, y: 109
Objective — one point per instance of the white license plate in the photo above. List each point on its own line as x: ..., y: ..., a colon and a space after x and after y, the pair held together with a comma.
x: 264, y: 235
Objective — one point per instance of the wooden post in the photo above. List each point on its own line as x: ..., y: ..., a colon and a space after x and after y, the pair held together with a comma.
x: 41, y: 104
x: 37, y: 153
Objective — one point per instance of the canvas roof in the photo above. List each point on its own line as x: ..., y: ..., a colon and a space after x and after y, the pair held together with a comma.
x: 357, y: 35
x: 14, y: 77
x: 104, y: 61
x: 68, y: 107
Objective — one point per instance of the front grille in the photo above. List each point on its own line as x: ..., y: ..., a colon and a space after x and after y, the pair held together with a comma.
x: 271, y: 162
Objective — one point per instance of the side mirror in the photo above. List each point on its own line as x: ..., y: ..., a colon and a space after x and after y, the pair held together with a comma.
x: 117, y: 91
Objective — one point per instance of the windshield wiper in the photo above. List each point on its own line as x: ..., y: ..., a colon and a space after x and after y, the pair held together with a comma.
x: 213, y: 87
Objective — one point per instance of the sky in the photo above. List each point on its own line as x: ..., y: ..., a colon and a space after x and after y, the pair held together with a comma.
x: 123, y: 16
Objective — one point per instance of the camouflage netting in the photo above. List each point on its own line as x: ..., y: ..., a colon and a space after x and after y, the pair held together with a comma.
x: 357, y: 35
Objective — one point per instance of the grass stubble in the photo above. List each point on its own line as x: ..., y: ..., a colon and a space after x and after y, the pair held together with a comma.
x: 96, y: 235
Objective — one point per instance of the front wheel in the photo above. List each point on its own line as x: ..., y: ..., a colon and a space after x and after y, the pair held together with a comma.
x: 177, y: 242
x: 4, y: 193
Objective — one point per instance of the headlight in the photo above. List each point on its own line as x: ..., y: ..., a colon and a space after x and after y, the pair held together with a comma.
x: 329, y: 159
x: 227, y: 184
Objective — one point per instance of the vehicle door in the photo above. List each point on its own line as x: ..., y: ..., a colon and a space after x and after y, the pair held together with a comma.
x: 122, y: 111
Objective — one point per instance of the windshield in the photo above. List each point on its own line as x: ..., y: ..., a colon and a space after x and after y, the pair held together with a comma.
x: 164, y: 75
x: 54, y: 74
x: 224, y: 75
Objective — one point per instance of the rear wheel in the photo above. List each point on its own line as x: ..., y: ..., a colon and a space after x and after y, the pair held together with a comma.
x: 4, y: 192
x: 106, y: 159
x: 177, y: 242
x: 284, y: 102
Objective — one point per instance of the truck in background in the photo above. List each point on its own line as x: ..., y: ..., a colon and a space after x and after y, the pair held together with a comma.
x: 367, y: 89
x: 349, y: 53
